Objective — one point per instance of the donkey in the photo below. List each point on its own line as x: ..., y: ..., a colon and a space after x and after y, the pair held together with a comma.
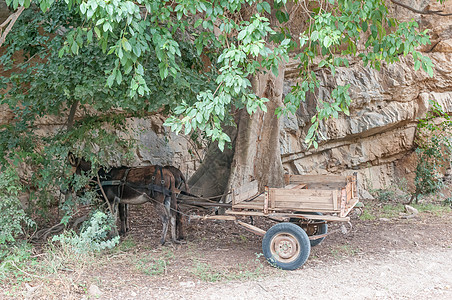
x: 179, y: 177
x: 139, y: 185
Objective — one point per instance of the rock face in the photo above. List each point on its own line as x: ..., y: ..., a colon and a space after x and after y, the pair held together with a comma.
x: 376, y: 140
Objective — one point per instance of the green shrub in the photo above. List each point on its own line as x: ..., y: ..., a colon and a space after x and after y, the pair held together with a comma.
x: 433, y: 151
x: 448, y: 202
x: 12, y: 216
x: 94, y: 235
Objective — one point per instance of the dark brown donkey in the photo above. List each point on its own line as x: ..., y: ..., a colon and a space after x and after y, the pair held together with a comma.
x: 139, y: 185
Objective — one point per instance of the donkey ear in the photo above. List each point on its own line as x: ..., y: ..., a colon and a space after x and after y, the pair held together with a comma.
x: 73, y: 161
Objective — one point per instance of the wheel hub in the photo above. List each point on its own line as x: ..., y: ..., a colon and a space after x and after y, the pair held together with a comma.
x: 285, y: 246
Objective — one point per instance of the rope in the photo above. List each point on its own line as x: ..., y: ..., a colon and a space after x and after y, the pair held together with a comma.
x: 252, y: 198
x: 209, y: 199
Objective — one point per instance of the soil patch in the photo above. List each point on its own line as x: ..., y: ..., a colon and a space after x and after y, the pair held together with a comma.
x: 221, y: 256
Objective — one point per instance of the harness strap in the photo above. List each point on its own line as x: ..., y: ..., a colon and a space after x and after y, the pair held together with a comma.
x: 162, y: 181
x: 123, y: 182
x: 150, y: 187
x: 110, y: 182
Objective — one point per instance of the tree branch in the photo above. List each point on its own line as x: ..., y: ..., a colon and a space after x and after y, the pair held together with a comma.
x: 422, y: 12
x: 70, y: 119
x: 10, y: 21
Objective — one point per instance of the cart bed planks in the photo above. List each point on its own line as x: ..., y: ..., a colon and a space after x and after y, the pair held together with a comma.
x: 330, y: 194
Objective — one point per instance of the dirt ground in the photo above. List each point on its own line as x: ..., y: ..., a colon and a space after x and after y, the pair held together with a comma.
x: 390, y: 258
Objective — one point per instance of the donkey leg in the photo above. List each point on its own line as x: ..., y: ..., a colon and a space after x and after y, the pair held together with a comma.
x: 126, y: 210
x: 179, y: 224
x: 123, y: 218
x: 115, y: 210
x: 173, y: 229
x: 165, y: 215
x: 165, y: 223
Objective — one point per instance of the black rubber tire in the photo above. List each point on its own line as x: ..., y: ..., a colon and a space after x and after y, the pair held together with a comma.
x: 321, y: 228
x: 286, y: 246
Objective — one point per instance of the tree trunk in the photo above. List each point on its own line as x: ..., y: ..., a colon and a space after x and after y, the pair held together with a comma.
x: 255, y: 153
x: 211, y: 178
x: 257, y: 149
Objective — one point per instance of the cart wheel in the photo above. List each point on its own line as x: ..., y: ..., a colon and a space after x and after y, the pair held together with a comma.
x: 286, y: 246
x: 318, y: 227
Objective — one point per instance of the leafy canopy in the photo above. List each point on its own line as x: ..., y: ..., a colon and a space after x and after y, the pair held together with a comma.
x: 192, y: 60
x: 140, y: 46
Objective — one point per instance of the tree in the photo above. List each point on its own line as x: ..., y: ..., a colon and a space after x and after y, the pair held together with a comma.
x: 434, y: 147
x: 148, y: 55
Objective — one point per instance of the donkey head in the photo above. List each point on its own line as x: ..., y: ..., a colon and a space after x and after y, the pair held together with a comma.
x: 79, y: 164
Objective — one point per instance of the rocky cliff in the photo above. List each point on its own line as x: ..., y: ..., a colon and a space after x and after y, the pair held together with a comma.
x: 376, y: 140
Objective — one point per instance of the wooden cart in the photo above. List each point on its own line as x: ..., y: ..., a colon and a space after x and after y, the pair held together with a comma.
x: 303, y: 208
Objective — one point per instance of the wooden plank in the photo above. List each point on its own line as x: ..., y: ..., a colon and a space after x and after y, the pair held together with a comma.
x: 317, y: 179
x: 272, y: 199
x: 251, y: 228
x: 343, y: 202
x: 304, y: 195
x: 304, y: 207
x: 296, y: 186
x: 246, y: 213
x: 246, y: 191
x: 335, y: 200
x: 249, y: 205
x: 302, y: 192
x: 285, y: 215
x: 348, y: 189
x: 350, y: 207
x: 215, y: 217
x: 325, y: 186
x: 266, y: 200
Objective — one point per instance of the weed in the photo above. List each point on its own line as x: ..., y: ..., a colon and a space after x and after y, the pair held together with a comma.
x: 436, y: 209
x: 243, y: 238
x: 344, y: 251
x: 155, y: 265
x: 391, y: 210
x: 385, y: 195
x: 127, y: 244
x: 248, y: 271
x: 367, y: 215
x: 14, y: 263
x: 152, y: 266
x: 206, y: 273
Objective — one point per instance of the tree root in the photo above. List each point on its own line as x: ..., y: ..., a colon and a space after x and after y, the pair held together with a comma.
x: 42, y: 235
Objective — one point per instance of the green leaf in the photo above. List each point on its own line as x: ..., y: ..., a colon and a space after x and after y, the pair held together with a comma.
x: 89, y: 36
x: 126, y: 45
x: 417, y: 65
x: 266, y: 7
x: 198, y: 22
x: 97, y: 31
x: 111, y: 78
x: 364, y: 26
x: 241, y: 35
x: 118, y: 77
x: 74, y: 47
